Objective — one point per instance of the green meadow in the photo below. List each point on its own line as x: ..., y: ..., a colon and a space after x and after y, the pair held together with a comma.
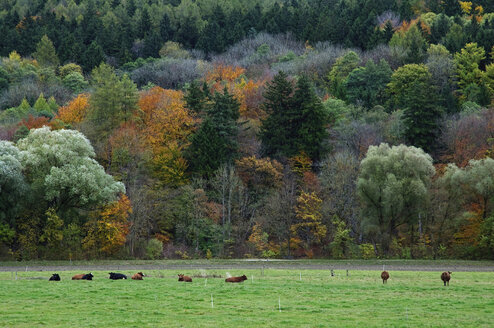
x: 279, y: 298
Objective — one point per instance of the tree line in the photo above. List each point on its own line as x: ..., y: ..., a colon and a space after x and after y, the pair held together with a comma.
x: 273, y: 148
x: 90, y: 31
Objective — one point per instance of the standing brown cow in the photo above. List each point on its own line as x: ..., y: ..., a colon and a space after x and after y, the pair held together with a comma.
x: 181, y: 277
x: 445, y: 277
x: 138, y: 276
x: 385, y: 276
x: 236, y: 279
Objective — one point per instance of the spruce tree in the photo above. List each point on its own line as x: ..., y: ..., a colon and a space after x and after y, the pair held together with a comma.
x: 310, y: 119
x: 296, y: 121
x: 215, y: 142
x: 196, y: 98
x: 45, y: 53
x: 275, y: 129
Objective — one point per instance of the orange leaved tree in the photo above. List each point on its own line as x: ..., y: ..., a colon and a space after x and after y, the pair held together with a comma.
x: 166, y: 126
x: 108, y: 229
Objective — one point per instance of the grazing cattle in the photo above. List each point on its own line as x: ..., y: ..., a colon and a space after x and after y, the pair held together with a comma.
x: 55, y: 277
x: 88, y: 276
x: 445, y: 277
x: 385, y: 276
x: 236, y: 279
x: 181, y: 277
x: 138, y: 276
x: 116, y: 276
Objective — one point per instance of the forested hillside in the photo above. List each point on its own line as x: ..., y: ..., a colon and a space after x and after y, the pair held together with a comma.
x: 233, y: 128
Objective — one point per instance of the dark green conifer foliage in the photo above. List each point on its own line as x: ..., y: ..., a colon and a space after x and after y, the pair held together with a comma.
x: 215, y: 142
x: 440, y: 27
x: 296, y: 121
x: 310, y: 119
x: 275, y: 130
x: 412, y: 90
x: 152, y: 44
x: 196, y: 98
x: 93, y: 56
x: 144, y: 23
x: 166, y: 31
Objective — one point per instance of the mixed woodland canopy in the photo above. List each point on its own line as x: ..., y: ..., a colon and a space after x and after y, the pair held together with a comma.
x: 292, y: 128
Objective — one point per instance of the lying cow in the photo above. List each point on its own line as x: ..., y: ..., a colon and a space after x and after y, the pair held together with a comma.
x: 236, y: 279
x: 181, y: 277
x: 138, y: 276
x: 88, y: 276
x: 116, y: 276
x: 55, y: 277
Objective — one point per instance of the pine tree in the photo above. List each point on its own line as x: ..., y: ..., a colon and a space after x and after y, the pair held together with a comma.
x: 412, y: 90
x: 196, y: 98
x: 45, y: 52
x: 215, y: 142
x: 93, y: 56
x: 311, y: 117
x: 275, y: 128
x: 296, y: 121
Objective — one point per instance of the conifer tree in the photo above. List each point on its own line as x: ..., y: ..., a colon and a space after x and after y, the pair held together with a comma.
x: 296, y: 121
x: 215, y: 142
x: 45, y: 52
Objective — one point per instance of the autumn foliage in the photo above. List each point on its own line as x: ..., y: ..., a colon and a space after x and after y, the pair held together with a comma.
x: 247, y: 92
x: 108, y: 231
x: 75, y: 111
x: 35, y: 122
x: 165, y: 127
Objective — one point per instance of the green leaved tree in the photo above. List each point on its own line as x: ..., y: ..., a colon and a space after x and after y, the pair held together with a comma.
x: 412, y: 90
x: 393, y: 189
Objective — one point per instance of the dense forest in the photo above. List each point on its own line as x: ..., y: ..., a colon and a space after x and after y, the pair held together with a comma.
x: 298, y: 128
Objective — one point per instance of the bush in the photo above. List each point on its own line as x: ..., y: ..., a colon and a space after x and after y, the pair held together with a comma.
x: 367, y: 251
x: 69, y: 69
x: 75, y: 82
x: 173, y: 50
x: 154, y: 249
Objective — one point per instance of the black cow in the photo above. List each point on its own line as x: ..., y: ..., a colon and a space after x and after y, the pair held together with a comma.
x: 55, y: 277
x: 116, y: 276
x: 88, y: 276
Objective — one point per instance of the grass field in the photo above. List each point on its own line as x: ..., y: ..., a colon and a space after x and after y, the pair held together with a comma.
x: 310, y: 298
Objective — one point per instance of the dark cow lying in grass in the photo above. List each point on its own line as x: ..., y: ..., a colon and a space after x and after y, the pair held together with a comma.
x: 236, y: 279
x: 385, y: 276
x: 181, y: 277
x: 445, y: 277
x: 138, y: 276
x: 55, y: 277
x: 116, y: 276
x: 88, y: 276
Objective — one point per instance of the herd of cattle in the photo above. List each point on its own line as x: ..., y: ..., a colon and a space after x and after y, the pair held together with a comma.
x: 445, y: 277
x: 137, y: 276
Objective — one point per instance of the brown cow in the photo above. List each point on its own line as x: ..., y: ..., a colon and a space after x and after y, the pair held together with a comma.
x: 236, y: 279
x: 385, y: 276
x: 445, y: 277
x: 88, y: 276
x: 138, y: 276
x: 181, y: 277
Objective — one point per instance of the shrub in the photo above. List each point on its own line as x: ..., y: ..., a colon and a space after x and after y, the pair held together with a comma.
x: 367, y: 251
x: 154, y: 249
x: 75, y: 82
